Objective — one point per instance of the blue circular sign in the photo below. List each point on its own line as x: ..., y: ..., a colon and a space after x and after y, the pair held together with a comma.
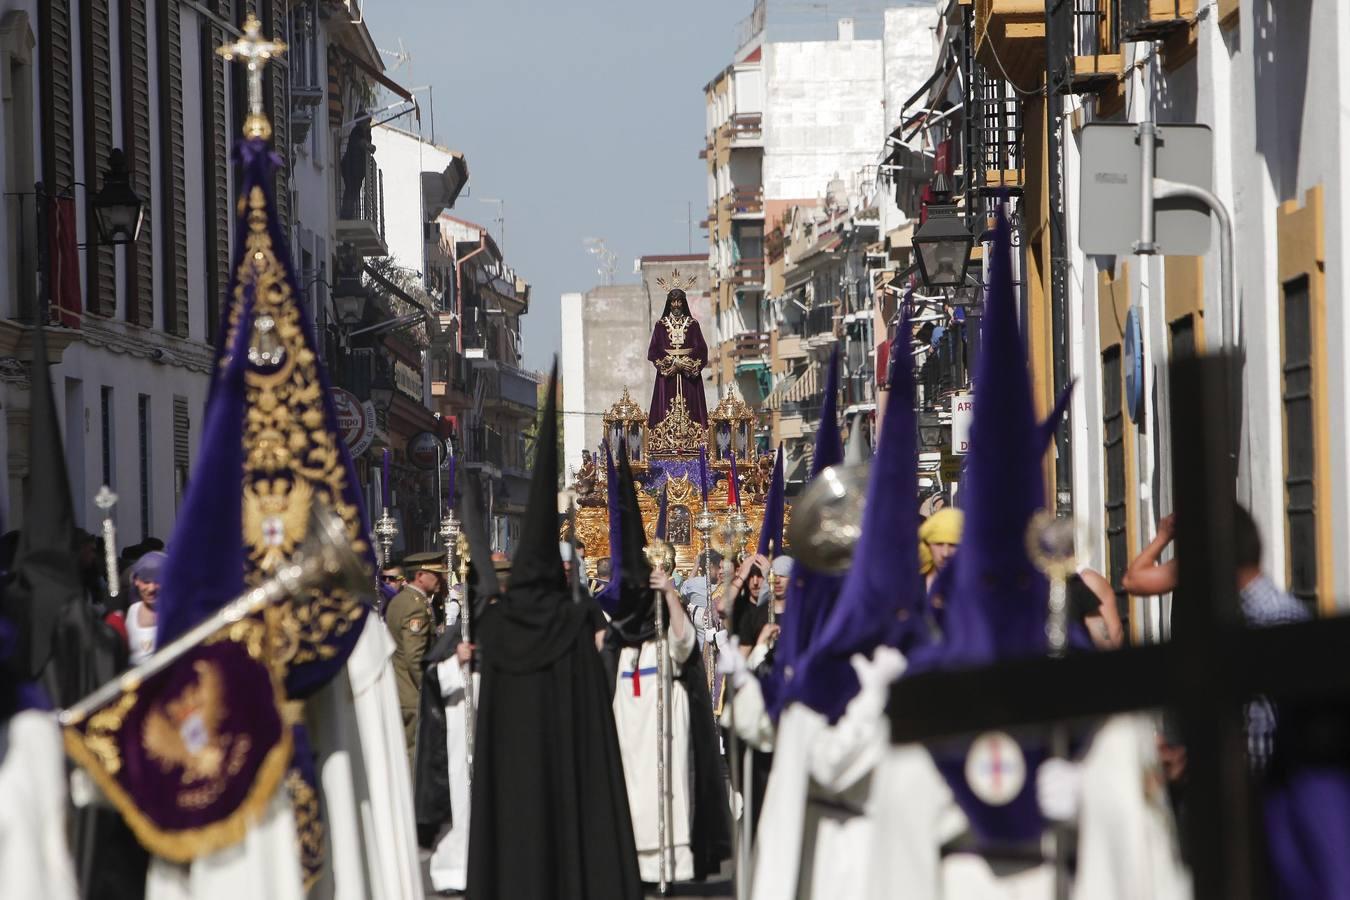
x: 1133, y: 363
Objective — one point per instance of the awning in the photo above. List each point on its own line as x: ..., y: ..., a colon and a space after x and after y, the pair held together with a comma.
x: 774, y: 400
x: 806, y: 385
x: 380, y: 77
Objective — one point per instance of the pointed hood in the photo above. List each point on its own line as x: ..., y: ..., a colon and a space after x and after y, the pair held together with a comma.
x: 609, y: 597
x: 537, y: 562
x: 483, y: 584
x: 634, y: 620
x: 771, y: 531
x: 883, y: 592
x: 271, y: 451
x: 996, y: 606
x: 811, y: 595
x: 59, y: 636
x: 1050, y: 425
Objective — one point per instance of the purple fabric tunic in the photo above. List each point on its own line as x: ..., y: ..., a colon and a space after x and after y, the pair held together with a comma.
x: 690, y: 383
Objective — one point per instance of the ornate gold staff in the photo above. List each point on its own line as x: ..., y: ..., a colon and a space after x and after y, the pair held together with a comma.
x: 661, y: 556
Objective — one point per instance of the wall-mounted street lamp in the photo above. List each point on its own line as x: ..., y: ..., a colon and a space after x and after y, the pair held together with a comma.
x: 942, y: 244
x: 118, y: 209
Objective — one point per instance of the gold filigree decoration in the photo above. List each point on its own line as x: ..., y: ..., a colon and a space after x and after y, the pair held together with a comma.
x: 677, y: 328
x: 291, y: 458
x: 184, y: 733
x: 676, y: 434
x: 676, y: 281
x: 625, y: 409
x: 731, y: 409
x: 308, y: 826
x: 101, y: 735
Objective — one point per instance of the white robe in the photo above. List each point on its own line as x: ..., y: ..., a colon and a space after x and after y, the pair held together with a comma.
x: 34, y: 857
x: 357, y: 733
x: 1126, y: 841
x: 264, y: 865
x: 450, y: 861
x: 635, y: 720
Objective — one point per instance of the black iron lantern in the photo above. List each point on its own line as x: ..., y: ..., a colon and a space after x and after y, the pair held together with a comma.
x: 118, y: 209
x: 942, y: 247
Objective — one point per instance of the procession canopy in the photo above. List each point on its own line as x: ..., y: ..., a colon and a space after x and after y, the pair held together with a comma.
x: 678, y: 446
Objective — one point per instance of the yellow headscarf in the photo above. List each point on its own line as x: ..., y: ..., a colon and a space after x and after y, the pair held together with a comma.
x: 942, y: 527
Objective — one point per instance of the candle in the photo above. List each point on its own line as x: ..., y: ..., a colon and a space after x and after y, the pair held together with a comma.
x: 450, y: 489
x: 703, y: 473
x: 384, y: 482
x: 734, y: 489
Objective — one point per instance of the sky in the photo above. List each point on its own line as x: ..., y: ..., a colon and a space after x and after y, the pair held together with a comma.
x: 585, y: 118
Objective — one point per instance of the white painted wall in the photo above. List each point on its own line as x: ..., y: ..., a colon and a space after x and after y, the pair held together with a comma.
x: 574, y: 380
x: 401, y: 158
x: 824, y: 114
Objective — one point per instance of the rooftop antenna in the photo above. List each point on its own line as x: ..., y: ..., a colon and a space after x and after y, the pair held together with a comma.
x: 401, y: 56
x: 608, y: 261
x: 500, y: 220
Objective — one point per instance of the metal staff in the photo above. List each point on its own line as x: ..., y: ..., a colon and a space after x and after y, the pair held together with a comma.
x: 661, y: 556
x: 325, y: 559
x: 1050, y: 544
x: 105, y: 500
x: 704, y: 522
x: 386, y: 529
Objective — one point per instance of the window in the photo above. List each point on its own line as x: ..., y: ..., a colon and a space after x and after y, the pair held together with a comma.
x: 109, y: 432
x: 143, y: 431
x: 1300, y: 441
x: 1113, y: 443
x: 182, y: 435
x: 1183, y: 336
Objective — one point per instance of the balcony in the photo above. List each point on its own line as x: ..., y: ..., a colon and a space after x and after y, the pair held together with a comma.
x: 745, y: 203
x: 1087, y: 35
x: 362, y: 226
x: 790, y: 346
x: 1010, y: 38
x: 509, y: 390
x: 819, y: 328
x: 747, y: 272
x: 1148, y: 20
x: 746, y: 130
x: 749, y: 346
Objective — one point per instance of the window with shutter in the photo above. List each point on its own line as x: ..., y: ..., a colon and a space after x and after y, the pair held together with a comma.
x: 96, y: 55
x: 57, y: 94
x: 1310, y: 556
x: 274, y: 20
x: 1113, y: 445
x: 172, y: 169
x: 140, y: 275
x: 144, y: 437
x: 182, y: 437
x: 215, y: 165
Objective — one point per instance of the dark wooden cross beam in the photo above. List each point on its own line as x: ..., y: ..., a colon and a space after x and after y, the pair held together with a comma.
x: 1211, y: 667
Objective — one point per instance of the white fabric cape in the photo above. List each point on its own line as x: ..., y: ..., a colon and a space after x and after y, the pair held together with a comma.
x: 450, y: 861
x: 34, y: 856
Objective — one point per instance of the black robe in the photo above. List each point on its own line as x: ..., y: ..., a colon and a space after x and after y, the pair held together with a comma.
x: 550, y: 815
x: 710, y: 809
x: 431, y: 757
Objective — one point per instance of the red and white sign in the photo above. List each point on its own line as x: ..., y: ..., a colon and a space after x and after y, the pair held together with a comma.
x: 425, y: 451
x: 355, y: 421
x: 963, y: 408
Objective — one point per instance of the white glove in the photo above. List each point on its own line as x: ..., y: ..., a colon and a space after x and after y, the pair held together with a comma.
x: 730, y: 663
x: 886, y: 665
x: 1059, y: 789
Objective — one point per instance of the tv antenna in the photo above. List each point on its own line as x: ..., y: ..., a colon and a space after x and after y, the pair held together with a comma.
x: 401, y: 57
x: 608, y: 261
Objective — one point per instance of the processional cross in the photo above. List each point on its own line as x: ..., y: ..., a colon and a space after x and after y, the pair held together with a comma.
x: 256, y: 51
x: 1209, y: 669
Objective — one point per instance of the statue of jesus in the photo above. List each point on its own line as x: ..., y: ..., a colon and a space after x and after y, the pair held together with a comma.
x: 679, y: 354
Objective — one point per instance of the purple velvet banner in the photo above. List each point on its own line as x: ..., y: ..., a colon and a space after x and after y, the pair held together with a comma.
x: 191, y: 757
x: 660, y: 471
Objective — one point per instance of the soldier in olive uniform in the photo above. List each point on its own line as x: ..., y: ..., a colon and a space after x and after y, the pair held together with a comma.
x: 411, y: 621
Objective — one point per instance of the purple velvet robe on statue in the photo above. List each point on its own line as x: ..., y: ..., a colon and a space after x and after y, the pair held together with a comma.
x: 690, y: 384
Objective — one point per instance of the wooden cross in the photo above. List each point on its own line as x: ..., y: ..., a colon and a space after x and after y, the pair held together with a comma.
x: 1212, y: 666
x: 256, y: 51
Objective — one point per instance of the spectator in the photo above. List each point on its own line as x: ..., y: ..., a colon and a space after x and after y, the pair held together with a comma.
x: 939, y: 536
x: 1092, y: 602
x: 1146, y: 575
x: 142, y: 615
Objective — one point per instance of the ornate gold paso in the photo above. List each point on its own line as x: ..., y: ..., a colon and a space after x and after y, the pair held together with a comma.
x: 290, y: 458
x: 676, y: 434
x: 624, y: 410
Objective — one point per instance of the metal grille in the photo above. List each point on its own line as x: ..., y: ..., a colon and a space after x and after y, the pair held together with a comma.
x: 1299, y: 438
x: 1113, y: 443
x: 994, y: 132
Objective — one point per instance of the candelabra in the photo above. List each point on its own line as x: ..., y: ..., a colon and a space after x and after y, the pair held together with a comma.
x: 386, y: 529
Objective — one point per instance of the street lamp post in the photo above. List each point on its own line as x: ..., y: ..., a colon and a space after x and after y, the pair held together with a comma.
x: 943, y: 243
